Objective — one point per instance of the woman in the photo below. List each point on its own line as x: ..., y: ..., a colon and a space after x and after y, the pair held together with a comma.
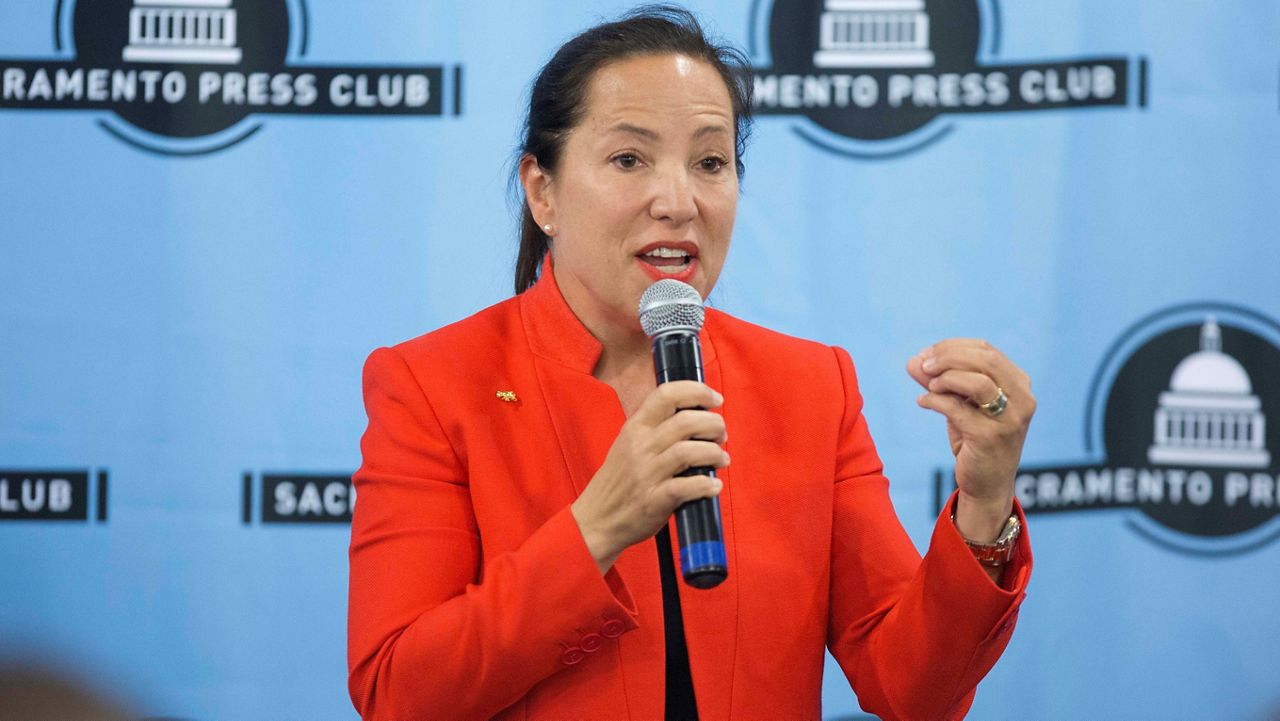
x: 517, y: 463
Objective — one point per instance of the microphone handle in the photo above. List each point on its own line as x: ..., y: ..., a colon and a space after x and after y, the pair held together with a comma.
x: 677, y: 356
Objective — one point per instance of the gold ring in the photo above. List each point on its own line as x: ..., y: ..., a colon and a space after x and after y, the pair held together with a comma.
x: 995, y: 406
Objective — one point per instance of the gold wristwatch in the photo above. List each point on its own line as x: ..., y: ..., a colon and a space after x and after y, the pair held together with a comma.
x: 998, y: 552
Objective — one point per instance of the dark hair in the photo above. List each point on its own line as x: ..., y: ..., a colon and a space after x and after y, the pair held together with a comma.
x: 558, y: 96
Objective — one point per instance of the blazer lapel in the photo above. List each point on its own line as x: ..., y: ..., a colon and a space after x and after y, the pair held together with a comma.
x: 584, y: 412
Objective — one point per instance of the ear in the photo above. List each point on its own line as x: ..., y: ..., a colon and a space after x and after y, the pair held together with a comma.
x: 537, y: 190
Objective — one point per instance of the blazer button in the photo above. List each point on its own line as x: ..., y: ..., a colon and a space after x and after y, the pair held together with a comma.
x: 613, y: 628
x: 572, y: 656
x: 591, y: 642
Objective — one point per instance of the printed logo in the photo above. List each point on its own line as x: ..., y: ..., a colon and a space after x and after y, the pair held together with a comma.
x: 51, y: 495
x: 1183, y: 434
x: 192, y: 77
x: 298, y: 498
x: 875, y: 79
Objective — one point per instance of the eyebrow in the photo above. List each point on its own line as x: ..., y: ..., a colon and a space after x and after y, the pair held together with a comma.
x: 651, y: 135
x: 635, y: 130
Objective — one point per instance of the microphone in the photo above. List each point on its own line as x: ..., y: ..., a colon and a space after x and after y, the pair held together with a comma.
x: 671, y: 314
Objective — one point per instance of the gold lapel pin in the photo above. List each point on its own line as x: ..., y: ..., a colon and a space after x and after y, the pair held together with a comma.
x: 507, y: 396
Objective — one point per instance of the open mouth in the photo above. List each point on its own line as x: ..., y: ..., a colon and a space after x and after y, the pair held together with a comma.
x: 669, y: 260
x: 672, y: 260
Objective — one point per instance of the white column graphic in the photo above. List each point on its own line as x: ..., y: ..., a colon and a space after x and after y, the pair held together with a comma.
x: 182, y: 31
x: 873, y: 34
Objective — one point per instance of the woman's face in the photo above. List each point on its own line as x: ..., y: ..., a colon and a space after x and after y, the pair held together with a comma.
x: 646, y: 188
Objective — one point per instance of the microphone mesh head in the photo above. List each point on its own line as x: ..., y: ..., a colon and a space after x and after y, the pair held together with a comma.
x: 668, y: 305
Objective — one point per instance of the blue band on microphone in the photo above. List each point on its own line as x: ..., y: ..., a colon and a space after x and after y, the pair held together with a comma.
x: 697, y: 556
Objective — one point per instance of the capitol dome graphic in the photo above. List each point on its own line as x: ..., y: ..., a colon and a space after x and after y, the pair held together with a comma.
x: 1210, y: 415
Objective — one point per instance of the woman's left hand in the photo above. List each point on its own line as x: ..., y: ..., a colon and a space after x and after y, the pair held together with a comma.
x: 960, y: 376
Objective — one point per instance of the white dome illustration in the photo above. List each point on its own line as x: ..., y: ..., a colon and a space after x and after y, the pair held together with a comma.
x: 182, y: 31
x: 873, y: 34
x: 1209, y: 416
x: 1210, y: 372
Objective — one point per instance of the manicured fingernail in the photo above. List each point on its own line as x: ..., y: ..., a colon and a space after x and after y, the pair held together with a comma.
x: 726, y: 457
x: 930, y: 363
x: 719, y: 398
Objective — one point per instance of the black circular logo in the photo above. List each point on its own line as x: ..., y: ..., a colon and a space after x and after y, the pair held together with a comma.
x: 852, y: 39
x: 149, y: 44
x: 1191, y: 409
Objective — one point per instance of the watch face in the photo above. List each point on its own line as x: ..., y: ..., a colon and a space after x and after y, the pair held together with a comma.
x: 1010, y: 533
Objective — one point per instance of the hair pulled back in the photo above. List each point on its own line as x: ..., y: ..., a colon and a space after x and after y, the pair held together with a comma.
x: 558, y: 98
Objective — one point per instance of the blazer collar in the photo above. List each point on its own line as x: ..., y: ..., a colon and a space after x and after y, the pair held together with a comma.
x: 556, y: 333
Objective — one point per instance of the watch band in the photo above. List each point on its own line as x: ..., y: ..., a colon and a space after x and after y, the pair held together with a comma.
x: 998, y: 552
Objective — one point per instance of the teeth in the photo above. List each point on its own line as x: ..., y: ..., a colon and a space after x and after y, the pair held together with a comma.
x: 667, y: 253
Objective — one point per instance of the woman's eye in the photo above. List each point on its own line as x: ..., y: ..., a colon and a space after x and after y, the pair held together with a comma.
x: 713, y: 164
x: 626, y: 161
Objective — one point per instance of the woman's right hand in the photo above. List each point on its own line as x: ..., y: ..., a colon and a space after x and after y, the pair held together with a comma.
x: 636, y: 490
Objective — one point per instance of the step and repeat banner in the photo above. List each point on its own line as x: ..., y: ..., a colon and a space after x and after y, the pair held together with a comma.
x: 212, y: 210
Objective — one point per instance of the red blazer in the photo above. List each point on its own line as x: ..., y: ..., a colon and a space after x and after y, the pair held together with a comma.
x: 473, y: 594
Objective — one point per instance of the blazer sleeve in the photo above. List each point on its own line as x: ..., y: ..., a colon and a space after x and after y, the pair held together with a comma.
x: 914, y: 637
x: 431, y: 634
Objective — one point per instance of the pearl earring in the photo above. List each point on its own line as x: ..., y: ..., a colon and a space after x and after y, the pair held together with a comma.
x: 547, y: 228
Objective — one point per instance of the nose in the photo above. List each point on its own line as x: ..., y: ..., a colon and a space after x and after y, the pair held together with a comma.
x: 673, y: 197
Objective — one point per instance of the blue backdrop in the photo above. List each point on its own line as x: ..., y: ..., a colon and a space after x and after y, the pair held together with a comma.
x: 192, y: 280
